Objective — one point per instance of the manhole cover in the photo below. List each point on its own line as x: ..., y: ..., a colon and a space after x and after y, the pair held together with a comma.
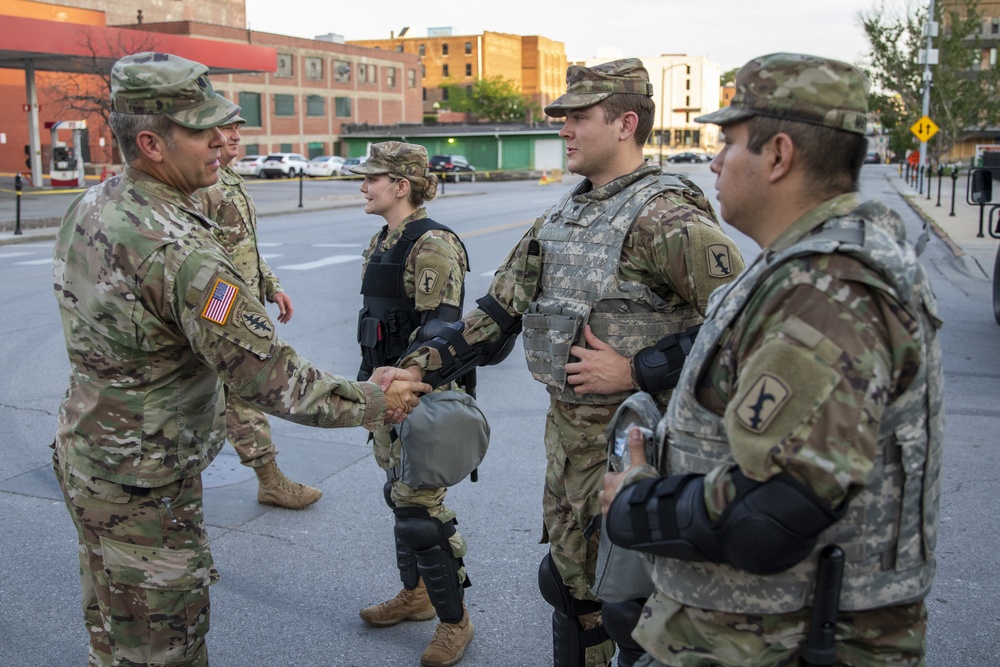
x: 226, y: 469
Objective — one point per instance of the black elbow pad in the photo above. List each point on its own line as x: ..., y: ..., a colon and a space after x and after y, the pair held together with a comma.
x: 767, y: 528
x: 658, y: 368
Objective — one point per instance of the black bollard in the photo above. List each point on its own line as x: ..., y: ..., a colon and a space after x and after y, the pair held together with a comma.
x: 300, y: 189
x: 940, y: 176
x: 954, y: 181
x: 930, y: 173
x: 920, y: 181
x: 17, y: 197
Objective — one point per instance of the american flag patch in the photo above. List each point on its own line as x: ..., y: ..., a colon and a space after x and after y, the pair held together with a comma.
x: 218, y: 306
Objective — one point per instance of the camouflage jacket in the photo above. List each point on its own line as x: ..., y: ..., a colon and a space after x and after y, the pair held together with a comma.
x: 821, y: 362
x: 229, y: 204
x: 156, y: 320
x: 665, y: 254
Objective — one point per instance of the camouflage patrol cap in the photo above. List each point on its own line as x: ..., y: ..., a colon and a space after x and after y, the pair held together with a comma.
x: 165, y: 84
x: 586, y: 86
x: 396, y: 158
x: 805, y: 88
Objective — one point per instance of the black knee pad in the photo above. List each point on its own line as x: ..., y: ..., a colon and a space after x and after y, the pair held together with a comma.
x: 406, y: 561
x: 427, y: 539
x: 619, y: 619
x: 554, y: 591
x: 387, y: 494
x: 569, y: 640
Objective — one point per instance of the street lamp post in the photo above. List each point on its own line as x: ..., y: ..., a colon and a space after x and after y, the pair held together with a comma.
x: 663, y: 106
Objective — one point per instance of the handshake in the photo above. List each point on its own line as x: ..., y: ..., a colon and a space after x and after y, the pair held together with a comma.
x: 403, y: 388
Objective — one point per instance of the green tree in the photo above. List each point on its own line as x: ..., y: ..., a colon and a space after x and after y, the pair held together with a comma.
x: 963, y: 92
x: 492, y: 99
x: 729, y: 76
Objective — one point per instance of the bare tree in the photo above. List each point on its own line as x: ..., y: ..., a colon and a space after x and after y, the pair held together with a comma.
x: 88, y: 91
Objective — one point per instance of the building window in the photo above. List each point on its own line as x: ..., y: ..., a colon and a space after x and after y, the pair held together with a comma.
x: 688, y: 69
x: 251, y: 149
x: 422, y: 50
x: 687, y: 101
x: 284, y: 105
x: 250, y: 108
x: 284, y: 65
x: 444, y: 70
x: 315, y: 105
x: 468, y: 48
x: 444, y: 94
x: 399, y: 49
x: 411, y: 78
x: 423, y: 71
x: 468, y: 69
x: 341, y: 71
x: 687, y: 85
x: 423, y: 92
x: 390, y: 77
x: 995, y: 26
x: 284, y: 148
x: 314, y: 69
x: 342, y: 107
x: 444, y: 48
x: 367, y: 73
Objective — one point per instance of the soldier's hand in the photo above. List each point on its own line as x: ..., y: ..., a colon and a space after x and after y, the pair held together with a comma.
x: 600, y: 370
x: 285, y: 309
x: 613, y: 480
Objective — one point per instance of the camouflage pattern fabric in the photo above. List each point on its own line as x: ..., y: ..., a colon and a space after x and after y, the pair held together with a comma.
x: 586, y: 86
x: 798, y: 87
x: 437, y: 260
x: 165, y: 84
x: 660, y: 253
x: 229, y: 204
x: 145, y: 580
x: 581, y: 240
x: 156, y: 320
x: 821, y: 362
x: 396, y: 158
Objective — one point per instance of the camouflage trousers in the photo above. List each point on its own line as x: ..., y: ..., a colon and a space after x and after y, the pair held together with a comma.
x: 576, y: 459
x: 249, y: 432
x: 680, y: 636
x: 145, y: 569
x: 387, y: 454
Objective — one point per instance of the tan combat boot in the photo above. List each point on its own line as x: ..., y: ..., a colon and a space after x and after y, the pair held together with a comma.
x: 406, y: 606
x: 449, y: 642
x: 273, y: 488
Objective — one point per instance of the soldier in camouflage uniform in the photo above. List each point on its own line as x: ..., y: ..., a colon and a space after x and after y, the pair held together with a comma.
x: 413, y: 283
x: 229, y: 204
x: 158, y: 324
x: 609, y: 286
x: 809, y: 413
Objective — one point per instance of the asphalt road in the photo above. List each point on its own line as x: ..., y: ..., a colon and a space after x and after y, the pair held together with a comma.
x: 292, y: 582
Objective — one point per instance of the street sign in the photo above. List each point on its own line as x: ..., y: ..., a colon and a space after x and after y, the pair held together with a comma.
x: 924, y: 128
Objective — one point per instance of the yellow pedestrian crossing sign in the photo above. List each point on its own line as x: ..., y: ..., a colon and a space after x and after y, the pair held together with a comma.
x: 924, y: 128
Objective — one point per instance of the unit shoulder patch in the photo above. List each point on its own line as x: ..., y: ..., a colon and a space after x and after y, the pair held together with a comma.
x: 762, y: 403
x: 719, y: 263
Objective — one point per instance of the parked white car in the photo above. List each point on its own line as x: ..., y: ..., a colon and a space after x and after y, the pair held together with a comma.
x: 324, y: 165
x: 288, y: 165
x: 248, y: 165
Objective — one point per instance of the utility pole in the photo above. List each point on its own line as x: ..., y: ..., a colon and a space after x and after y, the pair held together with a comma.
x: 929, y: 55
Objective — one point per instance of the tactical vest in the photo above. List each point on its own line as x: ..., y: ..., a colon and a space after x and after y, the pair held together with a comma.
x: 890, y: 529
x: 580, y: 284
x: 388, y: 315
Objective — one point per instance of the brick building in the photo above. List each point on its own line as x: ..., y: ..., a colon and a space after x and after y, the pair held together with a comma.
x: 536, y: 64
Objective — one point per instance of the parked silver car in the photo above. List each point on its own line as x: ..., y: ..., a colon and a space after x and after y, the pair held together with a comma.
x: 324, y: 165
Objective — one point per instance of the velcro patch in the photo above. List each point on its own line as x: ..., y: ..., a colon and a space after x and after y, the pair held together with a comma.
x: 257, y: 323
x: 220, y: 302
x: 428, y: 279
x: 719, y: 264
x: 763, y: 402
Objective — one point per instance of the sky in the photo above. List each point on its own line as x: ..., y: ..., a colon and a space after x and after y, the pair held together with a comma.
x: 728, y: 32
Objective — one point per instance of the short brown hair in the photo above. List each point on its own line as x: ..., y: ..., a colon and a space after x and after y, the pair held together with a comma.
x: 644, y: 107
x: 832, y: 157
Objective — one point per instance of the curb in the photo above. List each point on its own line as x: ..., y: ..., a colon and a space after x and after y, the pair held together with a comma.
x: 955, y: 249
